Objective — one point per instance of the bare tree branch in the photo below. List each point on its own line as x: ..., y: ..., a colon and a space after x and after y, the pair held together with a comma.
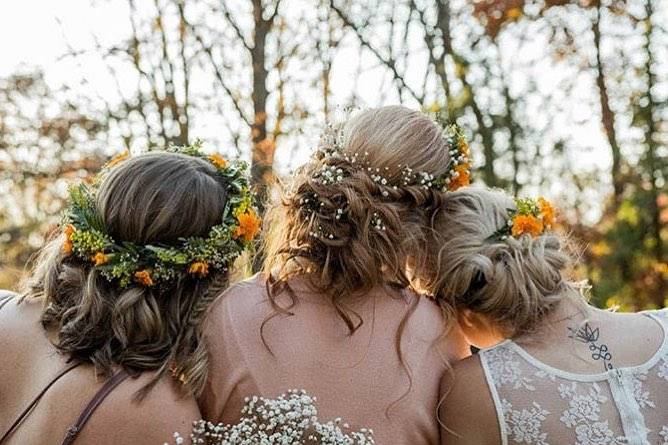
x: 389, y: 62
x: 235, y: 26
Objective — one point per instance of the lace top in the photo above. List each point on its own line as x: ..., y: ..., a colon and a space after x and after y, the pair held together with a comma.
x: 539, y: 404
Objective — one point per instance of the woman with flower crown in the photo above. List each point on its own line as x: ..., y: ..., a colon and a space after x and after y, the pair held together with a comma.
x: 121, y: 291
x: 333, y: 312
x: 552, y: 370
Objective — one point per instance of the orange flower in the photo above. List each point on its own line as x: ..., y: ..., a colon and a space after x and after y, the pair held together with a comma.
x: 68, y: 246
x: 199, y: 268
x: 144, y: 277
x: 218, y: 161
x: 464, y: 147
x: 514, y: 13
x: 527, y: 224
x: 249, y: 225
x: 100, y: 258
x: 463, y: 179
x: 118, y: 159
x: 547, y: 211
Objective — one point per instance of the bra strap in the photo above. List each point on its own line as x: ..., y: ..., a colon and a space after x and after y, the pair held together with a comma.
x: 95, y: 402
x: 34, y: 402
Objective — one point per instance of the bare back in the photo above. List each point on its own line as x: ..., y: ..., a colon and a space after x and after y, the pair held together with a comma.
x: 357, y: 377
x: 29, y: 362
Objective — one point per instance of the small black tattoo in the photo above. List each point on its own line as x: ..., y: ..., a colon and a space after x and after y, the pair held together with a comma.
x: 599, y: 351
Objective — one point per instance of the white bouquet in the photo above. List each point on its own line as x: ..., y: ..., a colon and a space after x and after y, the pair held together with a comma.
x: 291, y: 419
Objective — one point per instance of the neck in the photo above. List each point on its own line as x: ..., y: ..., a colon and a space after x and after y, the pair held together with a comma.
x: 568, y: 313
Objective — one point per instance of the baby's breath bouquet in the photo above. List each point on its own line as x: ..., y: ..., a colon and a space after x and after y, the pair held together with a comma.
x: 292, y: 419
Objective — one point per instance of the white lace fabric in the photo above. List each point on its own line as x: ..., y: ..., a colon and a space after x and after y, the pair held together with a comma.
x: 542, y: 405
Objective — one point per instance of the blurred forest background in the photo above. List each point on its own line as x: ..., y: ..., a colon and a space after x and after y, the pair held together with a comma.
x: 567, y: 98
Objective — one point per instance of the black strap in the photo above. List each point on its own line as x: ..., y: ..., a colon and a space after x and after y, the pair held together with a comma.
x: 95, y: 402
x: 34, y: 402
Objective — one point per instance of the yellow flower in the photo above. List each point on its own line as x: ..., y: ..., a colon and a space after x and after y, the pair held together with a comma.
x: 547, y: 211
x: 68, y: 247
x: 434, y: 107
x: 249, y: 225
x: 144, y: 277
x: 217, y: 160
x: 118, y: 159
x: 523, y: 224
x: 199, y: 268
x: 463, y: 178
x: 100, y: 258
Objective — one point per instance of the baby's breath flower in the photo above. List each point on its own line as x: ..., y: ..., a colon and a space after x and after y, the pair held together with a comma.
x: 289, y: 419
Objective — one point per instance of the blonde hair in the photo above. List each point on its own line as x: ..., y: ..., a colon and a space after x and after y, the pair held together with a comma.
x: 149, y: 199
x: 515, y: 282
x: 379, y: 226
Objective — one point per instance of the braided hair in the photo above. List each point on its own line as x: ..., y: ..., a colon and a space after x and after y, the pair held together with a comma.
x: 156, y: 197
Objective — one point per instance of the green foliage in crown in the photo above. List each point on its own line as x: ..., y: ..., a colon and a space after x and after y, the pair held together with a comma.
x: 125, y: 263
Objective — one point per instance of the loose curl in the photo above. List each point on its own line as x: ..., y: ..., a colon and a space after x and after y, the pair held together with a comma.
x: 157, y: 197
x: 516, y: 282
x: 326, y: 230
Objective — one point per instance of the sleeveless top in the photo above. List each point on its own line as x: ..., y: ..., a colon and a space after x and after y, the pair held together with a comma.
x: 538, y: 404
x: 356, y: 377
x: 74, y: 430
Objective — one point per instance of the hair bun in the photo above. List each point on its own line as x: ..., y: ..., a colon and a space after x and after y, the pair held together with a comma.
x: 524, y: 277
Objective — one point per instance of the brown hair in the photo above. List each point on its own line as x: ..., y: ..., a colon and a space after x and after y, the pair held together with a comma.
x: 336, y: 243
x: 153, y: 198
x: 516, y: 282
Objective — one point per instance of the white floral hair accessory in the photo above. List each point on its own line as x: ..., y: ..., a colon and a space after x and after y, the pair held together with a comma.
x: 458, y: 172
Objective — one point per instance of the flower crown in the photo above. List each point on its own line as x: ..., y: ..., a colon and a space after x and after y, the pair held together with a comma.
x: 330, y: 151
x: 459, y: 169
x: 531, y: 216
x: 458, y: 172
x: 148, y: 265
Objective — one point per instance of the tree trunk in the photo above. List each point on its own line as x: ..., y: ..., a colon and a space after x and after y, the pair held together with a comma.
x: 262, y: 157
x: 654, y: 165
x: 607, y: 115
x: 486, y: 133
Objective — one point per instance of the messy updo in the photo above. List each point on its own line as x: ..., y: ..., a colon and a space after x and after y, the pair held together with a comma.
x: 344, y: 223
x: 515, y: 282
x: 152, y: 198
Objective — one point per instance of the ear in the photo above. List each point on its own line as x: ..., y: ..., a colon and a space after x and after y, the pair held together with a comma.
x: 467, y: 318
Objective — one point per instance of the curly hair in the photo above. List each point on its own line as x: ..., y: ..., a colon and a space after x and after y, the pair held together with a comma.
x: 516, y: 282
x: 153, y: 198
x: 356, y: 232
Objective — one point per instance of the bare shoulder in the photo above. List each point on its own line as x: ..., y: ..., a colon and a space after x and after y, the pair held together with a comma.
x: 240, y: 306
x: 427, y: 316
x: 246, y: 293
x: 231, y: 329
x: 255, y: 285
x: 9, y: 310
x: 5, y: 295
x: 445, y: 334
x: 467, y: 412
x: 153, y: 420
x: 19, y: 324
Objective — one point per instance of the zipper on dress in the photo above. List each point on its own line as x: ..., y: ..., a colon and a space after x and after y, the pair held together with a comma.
x: 633, y: 422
